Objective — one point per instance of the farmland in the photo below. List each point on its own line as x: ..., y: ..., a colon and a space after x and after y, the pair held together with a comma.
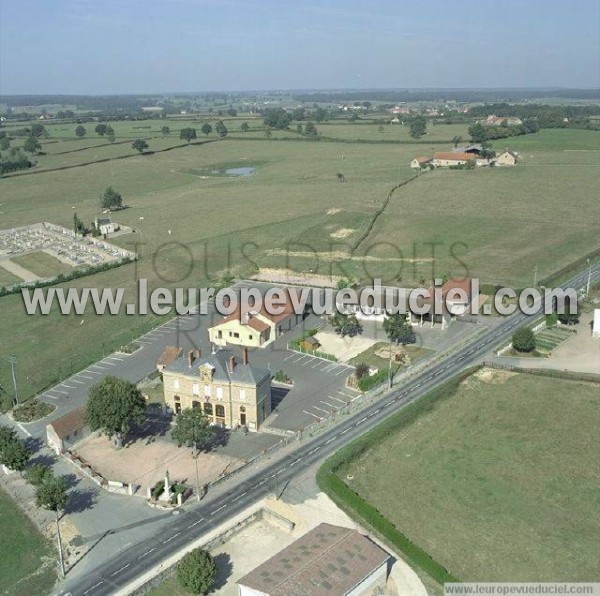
x: 479, y: 480
x: 191, y: 226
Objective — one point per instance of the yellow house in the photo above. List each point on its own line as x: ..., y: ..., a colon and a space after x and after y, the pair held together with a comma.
x: 230, y: 393
x: 507, y: 158
x: 420, y: 162
x: 255, y: 328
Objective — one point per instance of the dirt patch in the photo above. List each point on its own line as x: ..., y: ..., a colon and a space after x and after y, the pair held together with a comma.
x: 343, y: 233
x: 333, y: 211
x: 493, y: 377
x: 341, y: 256
x: 287, y: 276
x: 146, y: 464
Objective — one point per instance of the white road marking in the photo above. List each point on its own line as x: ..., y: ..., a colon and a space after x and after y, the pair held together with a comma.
x: 85, y: 377
x: 219, y: 509
x: 116, y: 358
x: 59, y: 391
x: 330, y: 405
x: 362, y: 420
x: 98, y: 366
x: 336, y: 399
x: 314, y: 450
x: 197, y: 522
x: 76, y: 381
x: 321, y: 409
x: 119, y: 570
x: 93, y: 372
x: 329, y: 440
x: 341, y: 371
x: 171, y: 538
x: 105, y: 362
x: 294, y: 463
x: 94, y: 587
x: 69, y: 386
x: 344, y: 431
x: 146, y: 553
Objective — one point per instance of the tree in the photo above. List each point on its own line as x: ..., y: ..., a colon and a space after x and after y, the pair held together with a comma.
x: 114, y: 405
x: 380, y: 128
x: 245, y: 127
x: 478, y: 133
x: 417, y: 127
x: 361, y: 370
x: 197, y: 571
x: 111, y: 136
x: 14, y: 453
x: 206, y: 129
x: 111, y: 199
x: 165, y: 131
x: 456, y: 140
x: 31, y: 145
x: 345, y: 324
x: 277, y: 118
x: 80, y: 131
x: 101, y: 129
x: 78, y: 226
x: 221, y: 129
x: 523, y: 340
x: 341, y: 177
x: 568, y: 318
x: 192, y: 428
x: 139, y: 145
x: 398, y: 329
x: 188, y: 134
x: 4, y: 143
x: 268, y: 133
x: 310, y: 129
x: 37, y: 130
x: 299, y: 129
x: 37, y: 474
x: 51, y: 494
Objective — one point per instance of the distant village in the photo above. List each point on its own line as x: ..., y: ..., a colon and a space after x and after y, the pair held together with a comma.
x: 465, y: 157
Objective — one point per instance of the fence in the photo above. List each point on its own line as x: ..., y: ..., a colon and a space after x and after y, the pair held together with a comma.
x: 316, y: 353
x: 546, y: 372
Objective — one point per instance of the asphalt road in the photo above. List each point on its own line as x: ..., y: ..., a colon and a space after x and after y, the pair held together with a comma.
x: 238, y: 493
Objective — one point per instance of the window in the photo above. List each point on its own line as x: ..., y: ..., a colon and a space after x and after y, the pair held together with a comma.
x: 242, y: 394
x: 208, y: 409
x: 195, y: 405
x: 242, y: 409
x: 196, y: 389
x: 220, y: 411
x: 177, y: 398
x: 249, y: 337
x: 236, y: 335
x: 219, y: 392
x: 207, y: 390
x: 175, y: 383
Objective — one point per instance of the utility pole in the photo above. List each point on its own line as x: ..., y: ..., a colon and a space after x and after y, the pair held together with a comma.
x: 535, y: 276
x: 390, y: 368
x: 587, y: 291
x: 13, y: 362
x: 60, y: 550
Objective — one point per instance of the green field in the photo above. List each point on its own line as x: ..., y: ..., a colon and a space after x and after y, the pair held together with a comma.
x: 7, y: 278
x: 481, y: 481
x: 293, y: 212
x: 27, y: 562
x: 42, y: 264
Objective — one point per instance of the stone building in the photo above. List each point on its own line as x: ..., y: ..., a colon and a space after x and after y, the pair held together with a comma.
x: 230, y: 393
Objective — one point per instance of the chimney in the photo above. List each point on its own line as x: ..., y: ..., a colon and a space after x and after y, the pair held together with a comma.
x: 231, y: 363
x: 245, y: 318
x: 244, y: 355
x: 190, y: 358
x: 197, y: 354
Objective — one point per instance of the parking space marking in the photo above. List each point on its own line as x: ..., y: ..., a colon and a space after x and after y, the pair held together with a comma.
x: 116, y: 358
x: 319, y: 363
x: 75, y: 381
x: 321, y: 409
x: 311, y: 414
x: 105, y: 362
x: 93, y: 372
x: 49, y: 396
x: 337, y: 399
x: 288, y: 357
x: 329, y: 367
x: 85, y: 377
x: 97, y: 366
x: 344, y: 370
x: 70, y: 386
x: 330, y: 405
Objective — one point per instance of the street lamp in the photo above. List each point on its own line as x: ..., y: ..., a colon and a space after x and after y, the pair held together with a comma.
x: 587, y: 291
x: 13, y: 361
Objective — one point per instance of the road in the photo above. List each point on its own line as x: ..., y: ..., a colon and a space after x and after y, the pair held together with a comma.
x: 234, y: 495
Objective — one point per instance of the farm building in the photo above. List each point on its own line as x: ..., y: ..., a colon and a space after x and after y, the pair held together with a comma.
x: 507, y: 158
x: 420, y: 162
x: 230, y: 393
x: 64, y: 432
x: 474, y: 148
x: 105, y: 225
x: 327, y: 560
x: 256, y: 328
x: 445, y: 159
x: 493, y: 120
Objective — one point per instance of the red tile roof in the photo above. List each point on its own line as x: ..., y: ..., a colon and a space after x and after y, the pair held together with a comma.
x: 65, y: 425
x: 454, y: 156
x: 169, y: 354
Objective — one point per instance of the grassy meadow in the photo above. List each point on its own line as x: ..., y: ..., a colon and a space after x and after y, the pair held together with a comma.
x: 491, y: 482
x: 191, y: 226
x: 26, y: 565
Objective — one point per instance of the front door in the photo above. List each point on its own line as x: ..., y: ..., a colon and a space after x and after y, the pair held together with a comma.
x: 242, y: 419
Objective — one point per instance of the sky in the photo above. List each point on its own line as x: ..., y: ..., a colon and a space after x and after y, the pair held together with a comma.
x: 160, y: 46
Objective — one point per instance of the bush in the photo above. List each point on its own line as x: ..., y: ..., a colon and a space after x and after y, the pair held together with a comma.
x: 32, y: 410
x: 523, y: 340
x: 369, y: 382
x: 197, y: 571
